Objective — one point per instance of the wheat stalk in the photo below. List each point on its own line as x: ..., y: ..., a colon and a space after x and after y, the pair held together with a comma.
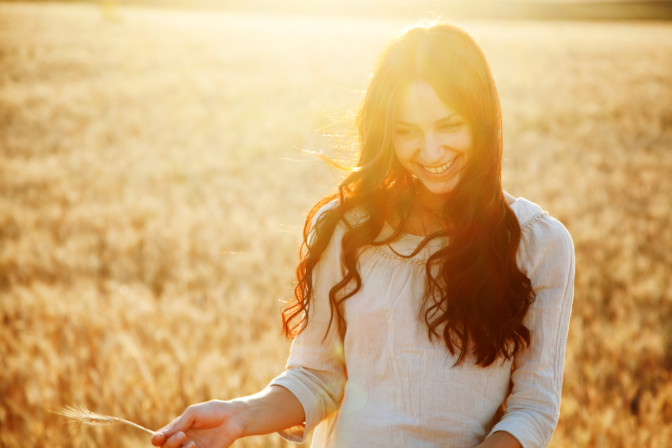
x: 83, y: 415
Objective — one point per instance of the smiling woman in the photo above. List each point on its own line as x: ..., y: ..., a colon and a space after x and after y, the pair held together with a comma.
x: 431, y: 307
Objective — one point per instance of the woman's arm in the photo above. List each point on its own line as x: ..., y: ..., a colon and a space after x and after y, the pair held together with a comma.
x: 500, y: 439
x: 546, y: 256
x: 297, y: 400
x: 219, y: 423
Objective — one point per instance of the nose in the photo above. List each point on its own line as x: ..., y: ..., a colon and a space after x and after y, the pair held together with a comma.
x: 432, y: 149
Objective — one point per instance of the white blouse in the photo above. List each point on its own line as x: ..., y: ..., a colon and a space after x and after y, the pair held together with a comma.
x: 387, y: 385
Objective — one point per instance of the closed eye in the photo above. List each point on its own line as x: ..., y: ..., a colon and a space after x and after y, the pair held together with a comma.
x: 450, y: 126
x: 406, y: 132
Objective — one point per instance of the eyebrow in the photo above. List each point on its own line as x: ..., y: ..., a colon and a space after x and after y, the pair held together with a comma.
x: 449, y: 118
x: 439, y: 122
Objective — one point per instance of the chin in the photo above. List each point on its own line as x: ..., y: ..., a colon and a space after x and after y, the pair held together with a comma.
x: 440, y: 189
x: 436, y: 194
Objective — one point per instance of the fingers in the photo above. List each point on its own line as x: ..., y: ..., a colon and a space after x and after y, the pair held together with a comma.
x: 158, y: 438
x: 173, y: 431
x: 175, y: 441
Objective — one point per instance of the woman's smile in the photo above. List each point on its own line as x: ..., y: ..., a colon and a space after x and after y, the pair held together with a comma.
x: 440, y: 170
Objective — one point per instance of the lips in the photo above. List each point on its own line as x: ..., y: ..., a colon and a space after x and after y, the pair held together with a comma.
x: 438, y: 170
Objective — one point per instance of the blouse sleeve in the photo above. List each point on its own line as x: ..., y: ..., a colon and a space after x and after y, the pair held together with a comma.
x: 315, y: 371
x: 546, y: 256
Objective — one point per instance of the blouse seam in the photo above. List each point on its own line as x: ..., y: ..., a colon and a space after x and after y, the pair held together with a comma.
x: 389, y: 256
x: 530, y: 222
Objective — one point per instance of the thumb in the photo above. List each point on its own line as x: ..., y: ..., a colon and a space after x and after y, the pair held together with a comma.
x: 181, y: 423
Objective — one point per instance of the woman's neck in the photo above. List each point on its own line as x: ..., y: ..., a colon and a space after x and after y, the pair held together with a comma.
x: 424, y: 221
x: 427, y: 213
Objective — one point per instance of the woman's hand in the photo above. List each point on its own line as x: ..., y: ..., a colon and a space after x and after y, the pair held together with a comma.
x: 217, y: 424
x: 213, y: 424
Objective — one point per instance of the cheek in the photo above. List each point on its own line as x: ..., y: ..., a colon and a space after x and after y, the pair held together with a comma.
x: 403, y: 150
x: 460, y: 141
x: 468, y: 140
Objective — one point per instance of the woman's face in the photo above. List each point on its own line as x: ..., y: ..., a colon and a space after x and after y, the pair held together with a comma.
x: 431, y: 141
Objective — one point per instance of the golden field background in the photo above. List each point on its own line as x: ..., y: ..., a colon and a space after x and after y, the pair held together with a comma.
x: 153, y: 189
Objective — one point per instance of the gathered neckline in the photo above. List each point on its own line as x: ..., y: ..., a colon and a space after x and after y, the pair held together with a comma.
x: 405, y: 244
x: 510, y: 200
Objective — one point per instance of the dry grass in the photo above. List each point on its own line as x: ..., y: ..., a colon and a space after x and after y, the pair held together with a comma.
x: 79, y: 414
x: 152, y: 192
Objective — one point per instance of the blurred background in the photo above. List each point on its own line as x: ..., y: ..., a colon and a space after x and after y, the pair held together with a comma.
x: 154, y: 181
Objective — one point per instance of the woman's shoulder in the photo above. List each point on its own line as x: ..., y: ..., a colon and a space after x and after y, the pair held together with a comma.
x: 351, y: 218
x: 323, y: 221
x: 532, y: 217
x: 526, y: 211
x: 542, y: 235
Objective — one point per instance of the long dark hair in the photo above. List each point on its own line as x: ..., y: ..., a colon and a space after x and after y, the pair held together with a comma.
x: 476, y: 297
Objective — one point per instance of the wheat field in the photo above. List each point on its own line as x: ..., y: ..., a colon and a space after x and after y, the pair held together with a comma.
x: 154, y: 180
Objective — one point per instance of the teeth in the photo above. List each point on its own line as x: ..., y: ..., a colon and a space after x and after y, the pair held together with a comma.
x: 441, y: 168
